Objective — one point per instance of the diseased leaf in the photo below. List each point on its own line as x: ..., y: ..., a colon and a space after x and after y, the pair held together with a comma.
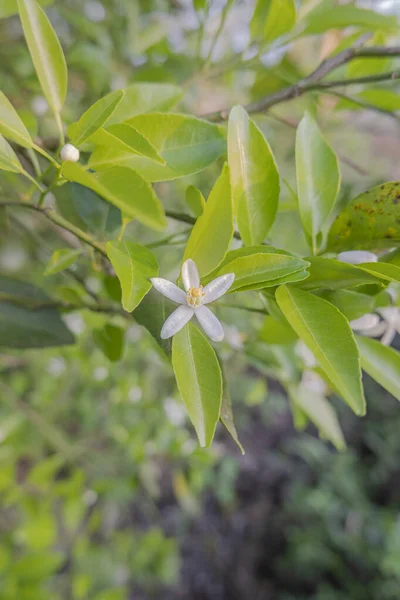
x: 199, y: 380
x: 95, y: 117
x: 8, y: 159
x: 11, y: 125
x: 318, y: 177
x: 254, y: 177
x: 321, y: 413
x: 195, y: 200
x: 212, y: 233
x: 110, y: 340
x: 327, y: 333
x: 371, y: 220
x: 61, y: 260
x: 46, y: 53
x: 26, y: 321
x: 143, y: 98
x: 133, y: 265
x: 381, y: 363
x: 126, y: 138
x: 187, y: 145
x: 124, y: 188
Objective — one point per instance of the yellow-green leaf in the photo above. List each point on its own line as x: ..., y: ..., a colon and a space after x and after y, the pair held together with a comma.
x: 133, y: 265
x: 327, y: 333
x: 61, y: 260
x: 381, y: 363
x: 110, y: 340
x: 124, y: 188
x: 95, y: 117
x: 195, y: 200
x: 199, y: 380
x: 46, y: 52
x: 143, y: 98
x: 254, y: 177
x: 212, y: 233
x: 8, y: 159
x: 272, y: 18
x: 11, y: 125
x: 126, y: 138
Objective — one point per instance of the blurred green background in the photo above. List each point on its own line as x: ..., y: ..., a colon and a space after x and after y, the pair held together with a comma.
x: 104, y: 493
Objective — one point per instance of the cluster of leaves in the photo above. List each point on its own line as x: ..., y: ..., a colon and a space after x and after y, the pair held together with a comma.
x: 132, y: 143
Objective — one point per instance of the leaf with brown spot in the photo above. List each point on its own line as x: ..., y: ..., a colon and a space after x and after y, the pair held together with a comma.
x: 371, y: 220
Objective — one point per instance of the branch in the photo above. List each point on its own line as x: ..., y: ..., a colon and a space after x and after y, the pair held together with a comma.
x: 184, y: 218
x: 313, y: 81
x: 54, y: 217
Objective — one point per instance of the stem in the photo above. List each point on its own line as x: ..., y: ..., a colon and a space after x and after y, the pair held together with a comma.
x: 35, y: 162
x: 46, y: 155
x: 224, y: 15
x: 239, y: 307
x: 61, y: 222
x: 37, y: 305
x: 184, y: 218
x: 366, y: 105
x: 32, y: 180
x: 60, y: 128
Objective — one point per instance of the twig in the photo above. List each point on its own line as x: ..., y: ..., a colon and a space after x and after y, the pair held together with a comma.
x: 184, y: 218
x: 313, y: 81
x: 366, y: 105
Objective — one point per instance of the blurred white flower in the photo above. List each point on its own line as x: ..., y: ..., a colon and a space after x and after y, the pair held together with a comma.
x: 94, y: 11
x: 75, y: 323
x: 305, y: 354
x: 174, y: 411
x: 192, y: 302
x: 312, y: 382
x: 356, y: 257
x: 100, y: 373
x: 39, y: 106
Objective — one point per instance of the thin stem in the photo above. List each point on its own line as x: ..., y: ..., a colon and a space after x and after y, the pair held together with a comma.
x: 35, y: 162
x: 41, y: 305
x: 240, y: 307
x: 184, y: 218
x: 46, y: 155
x: 32, y: 180
x: 366, y: 105
x: 224, y: 15
x: 60, y: 128
x: 61, y: 222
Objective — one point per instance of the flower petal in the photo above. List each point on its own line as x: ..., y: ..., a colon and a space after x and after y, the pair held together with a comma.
x: 176, y: 321
x: 219, y: 286
x: 169, y: 289
x: 365, y: 322
x: 210, y: 323
x: 356, y: 257
x: 190, y: 275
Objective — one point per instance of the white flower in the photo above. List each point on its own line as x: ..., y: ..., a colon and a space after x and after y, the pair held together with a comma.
x: 69, y: 153
x: 356, y: 257
x: 192, y: 302
x: 312, y: 382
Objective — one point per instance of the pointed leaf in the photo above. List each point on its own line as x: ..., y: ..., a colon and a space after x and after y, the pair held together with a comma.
x: 226, y: 416
x: 143, y: 98
x: 124, y: 188
x: 199, y: 380
x: 334, y: 274
x: 212, y: 233
x: 11, y: 125
x: 126, y: 138
x: 61, y: 260
x: 95, y: 117
x: 152, y: 313
x: 327, y: 333
x: 195, y: 200
x: 8, y: 159
x: 272, y: 18
x: 187, y: 145
x: 133, y: 265
x: 254, y: 177
x: 383, y: 270
x: 371, y: 220
x: 318, y: 176
x: 46, y: 53
x: 381, y: 363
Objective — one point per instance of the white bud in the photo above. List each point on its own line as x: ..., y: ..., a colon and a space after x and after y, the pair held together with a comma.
x: 70, y: 153
x: 356, y: 257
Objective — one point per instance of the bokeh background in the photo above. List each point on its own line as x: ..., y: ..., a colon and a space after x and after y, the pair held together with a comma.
x: 104, y: 492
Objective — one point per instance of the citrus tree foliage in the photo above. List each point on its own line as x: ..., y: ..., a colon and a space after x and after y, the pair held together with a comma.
x: 138, y: 181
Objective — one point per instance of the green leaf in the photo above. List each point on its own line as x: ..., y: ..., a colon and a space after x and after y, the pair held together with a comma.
x: 8, y: 159
x: 322, y: 19
x: 272, y: 18
x: 125, y: 138
x: 151, y: 313
x: 187, y: 145
x: 383, y: 270
x: 318, y: 177
x: 199, y: 380
x: 110, y: 340
x: 23, y: 323
x: 86, y: 209
x: 254, y: 177
x: 371, y: 220
x: 226, y: 415
x: 133, y: 265
x: 11, y: 126
x: 124, y: 188
x: 143, y: 98
x: 95, y: 117
x: 10, y: 7
x: 381, y: 98
x: 276, y: 332
x: 327, y: 333
x: 381, y: 363
x: 321, y: 413
x: 61, y: 260
x: 334, y: 274
x: 351, y: 304
x: 257, y: 267
x: 46, y: 53
x: 195, y: 200
x: 212, y: 233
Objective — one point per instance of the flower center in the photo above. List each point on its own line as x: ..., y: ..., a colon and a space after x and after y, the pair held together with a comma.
x: 195, y: 297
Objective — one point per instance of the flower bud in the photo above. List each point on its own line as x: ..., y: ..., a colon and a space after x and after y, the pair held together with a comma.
x: 70, y: 153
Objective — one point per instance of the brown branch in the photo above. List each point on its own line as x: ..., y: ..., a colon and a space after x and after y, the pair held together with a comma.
x: 313, y: 81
